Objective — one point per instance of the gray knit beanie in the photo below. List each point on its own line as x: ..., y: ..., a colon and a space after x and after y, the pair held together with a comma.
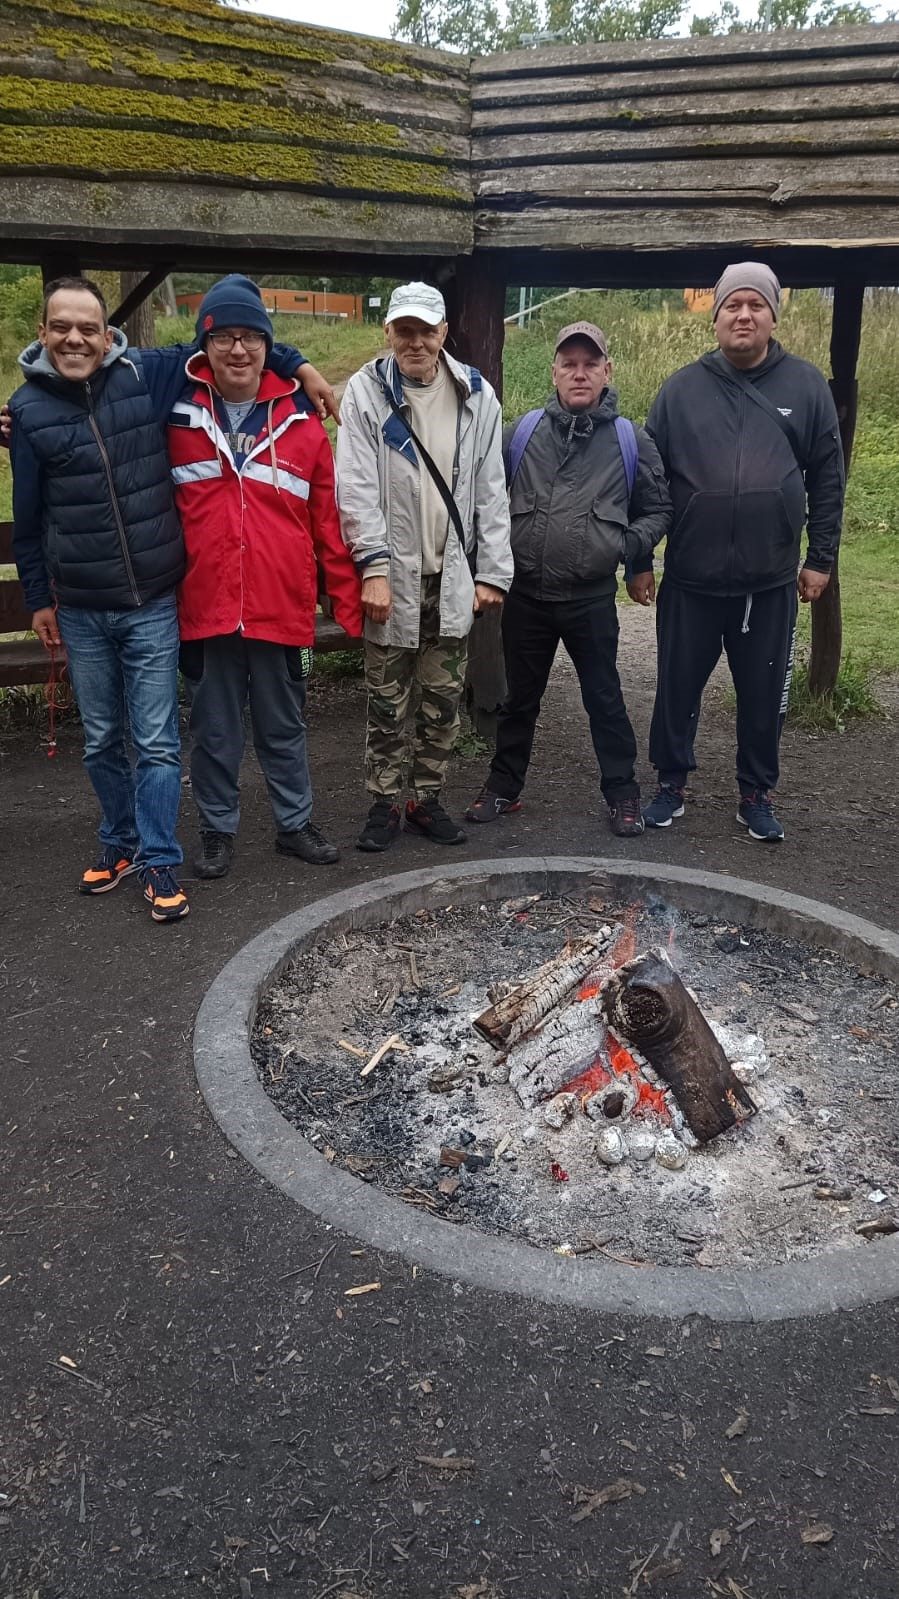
x: 747, y: 275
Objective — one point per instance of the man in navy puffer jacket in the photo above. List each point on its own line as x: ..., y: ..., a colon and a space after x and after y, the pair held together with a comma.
x: 99, y: 551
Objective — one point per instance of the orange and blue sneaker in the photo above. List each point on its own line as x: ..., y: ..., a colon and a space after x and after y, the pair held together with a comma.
x: 168, y: 901
x: 108, y: 870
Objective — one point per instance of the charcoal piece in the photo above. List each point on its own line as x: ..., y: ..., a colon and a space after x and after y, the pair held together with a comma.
x: 646, y: 1004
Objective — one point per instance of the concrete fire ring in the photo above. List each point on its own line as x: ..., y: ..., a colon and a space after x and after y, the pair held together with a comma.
x: 833, y: 1280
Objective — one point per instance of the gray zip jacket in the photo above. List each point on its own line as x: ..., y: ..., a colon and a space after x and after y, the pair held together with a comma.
x: 378, y: 489
x: 573, y: 520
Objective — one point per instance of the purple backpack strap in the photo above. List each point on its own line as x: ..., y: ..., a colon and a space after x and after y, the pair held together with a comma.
x: 627, y: 444
x: 521, y: 438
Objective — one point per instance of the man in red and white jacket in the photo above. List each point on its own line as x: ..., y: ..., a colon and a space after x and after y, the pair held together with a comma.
x: 254, y: 485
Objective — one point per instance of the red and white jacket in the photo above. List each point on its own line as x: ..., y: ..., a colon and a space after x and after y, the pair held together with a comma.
x: 255, y: 537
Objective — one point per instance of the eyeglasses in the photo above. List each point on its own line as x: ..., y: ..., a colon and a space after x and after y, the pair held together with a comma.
x: 223, y: 342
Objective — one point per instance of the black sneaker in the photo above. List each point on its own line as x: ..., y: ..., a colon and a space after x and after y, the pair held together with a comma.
x: 488, y: 807
x: 308, y: 844
x: 429, y: 817
x: 381, y: 827
x: 756, y: 812
x: 216, y: 851
x: 666, y: 805
x: 625, y: 815
x: 108, y: 870
x: 168, y: 901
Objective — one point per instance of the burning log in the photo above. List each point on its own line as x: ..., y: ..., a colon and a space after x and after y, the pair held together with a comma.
x: 519, y: 1012
x: 647, y: 1003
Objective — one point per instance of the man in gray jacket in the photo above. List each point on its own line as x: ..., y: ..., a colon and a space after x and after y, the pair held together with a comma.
x: 423, y: 509
x: 587, y: 492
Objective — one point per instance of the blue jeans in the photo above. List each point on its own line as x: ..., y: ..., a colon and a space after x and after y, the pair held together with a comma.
x: 127, y: 662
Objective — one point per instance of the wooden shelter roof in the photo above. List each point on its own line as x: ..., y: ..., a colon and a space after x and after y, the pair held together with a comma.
x: 779, y: 142
x: 142, y: 130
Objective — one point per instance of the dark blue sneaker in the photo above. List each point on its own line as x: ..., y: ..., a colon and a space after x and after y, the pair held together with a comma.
x: 757, y: 813
x: 666, y: 805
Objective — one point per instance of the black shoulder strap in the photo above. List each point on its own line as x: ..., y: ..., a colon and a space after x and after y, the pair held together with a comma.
x: 440, y: 483
x: 752, y: 391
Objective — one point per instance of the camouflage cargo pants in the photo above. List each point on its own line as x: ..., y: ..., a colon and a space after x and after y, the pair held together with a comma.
x: 413, y: 706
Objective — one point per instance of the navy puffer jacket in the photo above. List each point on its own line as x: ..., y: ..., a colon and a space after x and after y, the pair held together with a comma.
x: 110, y: 532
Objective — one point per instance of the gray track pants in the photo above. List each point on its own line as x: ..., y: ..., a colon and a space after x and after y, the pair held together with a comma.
x: 223, y: 674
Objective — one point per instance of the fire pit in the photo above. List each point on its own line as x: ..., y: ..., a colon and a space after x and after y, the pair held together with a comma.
x: 554, y: 1076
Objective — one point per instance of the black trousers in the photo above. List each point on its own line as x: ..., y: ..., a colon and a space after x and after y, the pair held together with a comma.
x: 757, y: 633
x: 532, y: 632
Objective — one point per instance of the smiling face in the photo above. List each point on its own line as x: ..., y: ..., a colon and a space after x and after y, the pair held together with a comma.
x: 75, y: 334
x: 416, y: 345
x: 743, y: 327
x: 237, y: 370
x: 580, y: 373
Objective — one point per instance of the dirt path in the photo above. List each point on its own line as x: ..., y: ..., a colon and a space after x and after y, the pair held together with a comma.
x: 226, y: 1421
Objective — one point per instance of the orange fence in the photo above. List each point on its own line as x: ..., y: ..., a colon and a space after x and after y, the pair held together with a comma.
x: 295, y: 302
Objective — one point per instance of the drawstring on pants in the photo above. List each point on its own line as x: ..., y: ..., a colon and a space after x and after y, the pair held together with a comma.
x: 746, y: 614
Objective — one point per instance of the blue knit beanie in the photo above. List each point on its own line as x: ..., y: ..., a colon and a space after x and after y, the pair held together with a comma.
x: 233, y: 302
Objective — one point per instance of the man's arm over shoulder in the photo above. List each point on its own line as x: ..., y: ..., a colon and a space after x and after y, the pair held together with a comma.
x: 825, y: 484
x: 27, y: 510
x: 494, y: 552
x: 341, y: 578
x: 166, y: 378
x: 359, y: 498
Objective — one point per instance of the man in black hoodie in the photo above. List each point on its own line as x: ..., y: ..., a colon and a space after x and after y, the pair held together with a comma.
x: 747, y: 434
x: 587, y: 492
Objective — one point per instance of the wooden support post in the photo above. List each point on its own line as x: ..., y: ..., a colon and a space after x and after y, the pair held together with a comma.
x: 60, y: 264
x: 845, y: 339
x: 476, y: 303
x: 137, y: 287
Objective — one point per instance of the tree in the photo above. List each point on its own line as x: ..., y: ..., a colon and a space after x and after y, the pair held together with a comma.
x: 479, y: 27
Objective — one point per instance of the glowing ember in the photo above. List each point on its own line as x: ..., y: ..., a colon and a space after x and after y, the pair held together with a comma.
x: 648, y: 1098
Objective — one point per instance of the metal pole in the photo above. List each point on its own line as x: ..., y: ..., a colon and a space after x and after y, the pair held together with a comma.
x: 522, y: 302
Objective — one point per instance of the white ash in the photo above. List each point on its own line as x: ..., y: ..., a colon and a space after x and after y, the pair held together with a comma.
x: 827, y: 1117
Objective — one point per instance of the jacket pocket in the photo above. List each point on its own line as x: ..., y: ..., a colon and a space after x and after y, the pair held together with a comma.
x: 700, y: 543
x: 525, y: 543
x: 603, y: 542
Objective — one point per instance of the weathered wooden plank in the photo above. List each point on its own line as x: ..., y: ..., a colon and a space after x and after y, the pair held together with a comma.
x: 657, y: 79
x: 240, y: 35
x: 109, y: 153
x: 600, y: 227
x: 327, y: 114
x: 209, y: 217
x: 633, y: 54
x: 777, y: 179
x: 799, y: 104
x: 815, y: 139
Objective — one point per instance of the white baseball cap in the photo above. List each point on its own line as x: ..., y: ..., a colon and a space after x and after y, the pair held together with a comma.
x: 419, y: 300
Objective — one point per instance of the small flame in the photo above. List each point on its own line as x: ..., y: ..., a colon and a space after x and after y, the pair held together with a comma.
x: 648, y: 1098
x: 626, y: 947
x: 589, y: 991
x: 587, y: 1082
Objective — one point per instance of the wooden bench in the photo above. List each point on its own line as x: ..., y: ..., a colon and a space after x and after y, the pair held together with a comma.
x: 24, y: 660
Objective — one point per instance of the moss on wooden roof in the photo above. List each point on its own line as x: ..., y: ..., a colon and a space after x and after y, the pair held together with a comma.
x: 116, y: 152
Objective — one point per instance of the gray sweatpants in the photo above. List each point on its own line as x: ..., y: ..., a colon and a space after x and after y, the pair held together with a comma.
x: 235, y: 670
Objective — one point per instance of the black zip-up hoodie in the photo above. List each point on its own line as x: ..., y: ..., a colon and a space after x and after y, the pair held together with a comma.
x: 739, y: 488
x: 573, y: 521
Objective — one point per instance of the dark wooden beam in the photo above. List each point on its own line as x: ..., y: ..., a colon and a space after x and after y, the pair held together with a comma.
x: 845, y: 341
x: 141, y: 291
x: 476, y: 301
x: 62, y: 263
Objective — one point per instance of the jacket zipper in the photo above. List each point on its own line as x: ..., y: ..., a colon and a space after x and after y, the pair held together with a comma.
x: 738, y: 473
x: 112, y: 495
